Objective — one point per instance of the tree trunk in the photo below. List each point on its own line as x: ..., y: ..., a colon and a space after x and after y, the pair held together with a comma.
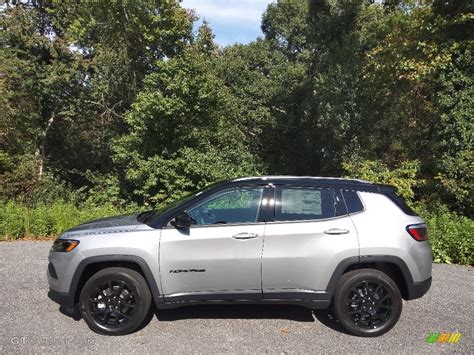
x: 41, y: 149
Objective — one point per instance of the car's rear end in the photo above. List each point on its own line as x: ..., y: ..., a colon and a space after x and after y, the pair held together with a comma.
x: 389, y: 227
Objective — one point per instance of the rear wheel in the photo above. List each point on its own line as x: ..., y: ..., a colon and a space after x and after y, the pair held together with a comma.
x: 367, y: 302
x: 115, y: 301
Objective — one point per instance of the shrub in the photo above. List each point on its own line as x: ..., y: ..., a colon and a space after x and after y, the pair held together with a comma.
x: 12, y: 220
x: 17, y: 220
x: 451, y: 235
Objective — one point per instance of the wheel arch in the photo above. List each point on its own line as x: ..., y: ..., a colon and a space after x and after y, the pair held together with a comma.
x: 92, y: 265
x: 391, y: 265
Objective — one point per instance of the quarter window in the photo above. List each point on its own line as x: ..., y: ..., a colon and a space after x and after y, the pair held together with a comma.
x: 353, y: 202
x: 240, y: 205
x: 298, y: 203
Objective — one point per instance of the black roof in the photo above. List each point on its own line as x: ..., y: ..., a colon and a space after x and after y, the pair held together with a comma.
x: 349, y: 184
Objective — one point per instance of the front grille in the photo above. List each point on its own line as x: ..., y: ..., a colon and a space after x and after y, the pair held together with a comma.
x: 52, y: 271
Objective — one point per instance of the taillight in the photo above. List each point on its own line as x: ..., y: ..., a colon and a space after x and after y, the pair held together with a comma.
x: 418, y: 231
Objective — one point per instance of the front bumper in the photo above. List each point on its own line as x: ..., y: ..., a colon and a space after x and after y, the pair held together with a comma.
x: 57, y: 285
x: 60, y: 273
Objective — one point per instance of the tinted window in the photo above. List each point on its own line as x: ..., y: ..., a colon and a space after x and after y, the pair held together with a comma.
x: 340, y: 205
x: 400, y: 202
x: 295, y: 203
x: 353, y: 202
x: 240, y: 205
x: 150, y: 217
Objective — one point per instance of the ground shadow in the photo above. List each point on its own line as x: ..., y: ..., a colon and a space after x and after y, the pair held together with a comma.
x: 75, y: 314
x: 71, y: 312
x: 327, y: 318
x: 295, y: 313
x: 288, y: 312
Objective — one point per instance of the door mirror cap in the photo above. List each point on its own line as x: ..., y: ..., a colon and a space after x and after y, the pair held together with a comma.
x: 183, y: 220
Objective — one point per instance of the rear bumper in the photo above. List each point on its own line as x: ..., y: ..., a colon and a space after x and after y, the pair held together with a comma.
x: 418, y: 289
x: 63, y: 299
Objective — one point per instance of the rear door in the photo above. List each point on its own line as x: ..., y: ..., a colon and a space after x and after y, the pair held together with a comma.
x: 310, y: 235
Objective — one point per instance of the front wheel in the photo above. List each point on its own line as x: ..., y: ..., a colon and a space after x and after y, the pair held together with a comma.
x: 115, y: 301
x: 367, y: 302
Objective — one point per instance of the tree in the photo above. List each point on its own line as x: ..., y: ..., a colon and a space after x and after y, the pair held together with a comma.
x: 316, y: 106
x: 69, y: 74
x: 184, y: 132
x: 121, y: 43
x: 125, y: 97
x: 453, y: 141
x: 418, y: 95
x: 41, y: 84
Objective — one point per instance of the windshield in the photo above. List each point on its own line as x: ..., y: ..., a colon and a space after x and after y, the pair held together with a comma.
x: 149, y: 216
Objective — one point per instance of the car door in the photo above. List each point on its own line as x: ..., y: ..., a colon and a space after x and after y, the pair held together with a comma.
x: 219, y: 257
x: 311, y: 234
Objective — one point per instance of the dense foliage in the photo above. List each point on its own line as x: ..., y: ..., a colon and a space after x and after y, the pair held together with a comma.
x: 107, y: 107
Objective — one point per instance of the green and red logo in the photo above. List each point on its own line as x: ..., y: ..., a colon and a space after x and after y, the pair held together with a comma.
x: 443, y: 338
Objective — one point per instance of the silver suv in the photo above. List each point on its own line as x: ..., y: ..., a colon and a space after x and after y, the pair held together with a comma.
x: 315, y: 242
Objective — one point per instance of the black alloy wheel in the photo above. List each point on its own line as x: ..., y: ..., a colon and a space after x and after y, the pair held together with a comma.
x: 115, y: 301
x: 112, y: 303
x: 367, y: 302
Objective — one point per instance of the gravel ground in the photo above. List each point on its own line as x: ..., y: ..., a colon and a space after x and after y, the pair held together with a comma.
x: 31, y: 323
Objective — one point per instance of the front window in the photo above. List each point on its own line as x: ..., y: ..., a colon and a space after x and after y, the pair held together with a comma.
x: 238, y: 205
x: 149, y: 216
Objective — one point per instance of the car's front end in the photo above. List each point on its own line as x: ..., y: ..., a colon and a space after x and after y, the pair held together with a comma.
x: 108, y: 236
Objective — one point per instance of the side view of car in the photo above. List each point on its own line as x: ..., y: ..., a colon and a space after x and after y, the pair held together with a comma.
x: 315, y: 242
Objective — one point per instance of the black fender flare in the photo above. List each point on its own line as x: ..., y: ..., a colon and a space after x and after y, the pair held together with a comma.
x: 414, y: 289
x: 149, y: 278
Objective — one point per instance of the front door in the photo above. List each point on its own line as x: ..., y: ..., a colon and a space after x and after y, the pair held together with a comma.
x: 219, y: 257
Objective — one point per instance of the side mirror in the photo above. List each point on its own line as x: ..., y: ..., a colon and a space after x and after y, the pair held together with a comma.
x: 183, y: 220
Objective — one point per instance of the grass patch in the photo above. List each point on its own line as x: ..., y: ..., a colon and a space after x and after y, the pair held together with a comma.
x: 18, y: 221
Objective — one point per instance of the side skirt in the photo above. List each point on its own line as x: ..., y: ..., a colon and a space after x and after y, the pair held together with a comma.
x: 311, y: 304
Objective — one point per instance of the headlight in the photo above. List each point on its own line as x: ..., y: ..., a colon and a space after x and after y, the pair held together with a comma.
x: 64, y: 245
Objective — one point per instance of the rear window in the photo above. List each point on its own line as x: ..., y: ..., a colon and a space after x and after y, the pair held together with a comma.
x: 301, y: 203
x: 400, y: 202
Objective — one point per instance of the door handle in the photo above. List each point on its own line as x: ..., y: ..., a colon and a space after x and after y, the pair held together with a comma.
x: 245, y: 235
x: 335, y: 231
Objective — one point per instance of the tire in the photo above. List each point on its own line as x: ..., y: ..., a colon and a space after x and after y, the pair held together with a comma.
x: 115, y: 301
x: 367, y: 314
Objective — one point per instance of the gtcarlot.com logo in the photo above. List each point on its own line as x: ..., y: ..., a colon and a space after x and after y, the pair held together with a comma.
x: 49, y: 340
x: 443, y: 338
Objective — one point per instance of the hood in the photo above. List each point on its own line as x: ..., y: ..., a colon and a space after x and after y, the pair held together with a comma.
x: 117, y: 224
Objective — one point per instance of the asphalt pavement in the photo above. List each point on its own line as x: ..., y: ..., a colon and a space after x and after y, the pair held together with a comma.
x: 31, y: 323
